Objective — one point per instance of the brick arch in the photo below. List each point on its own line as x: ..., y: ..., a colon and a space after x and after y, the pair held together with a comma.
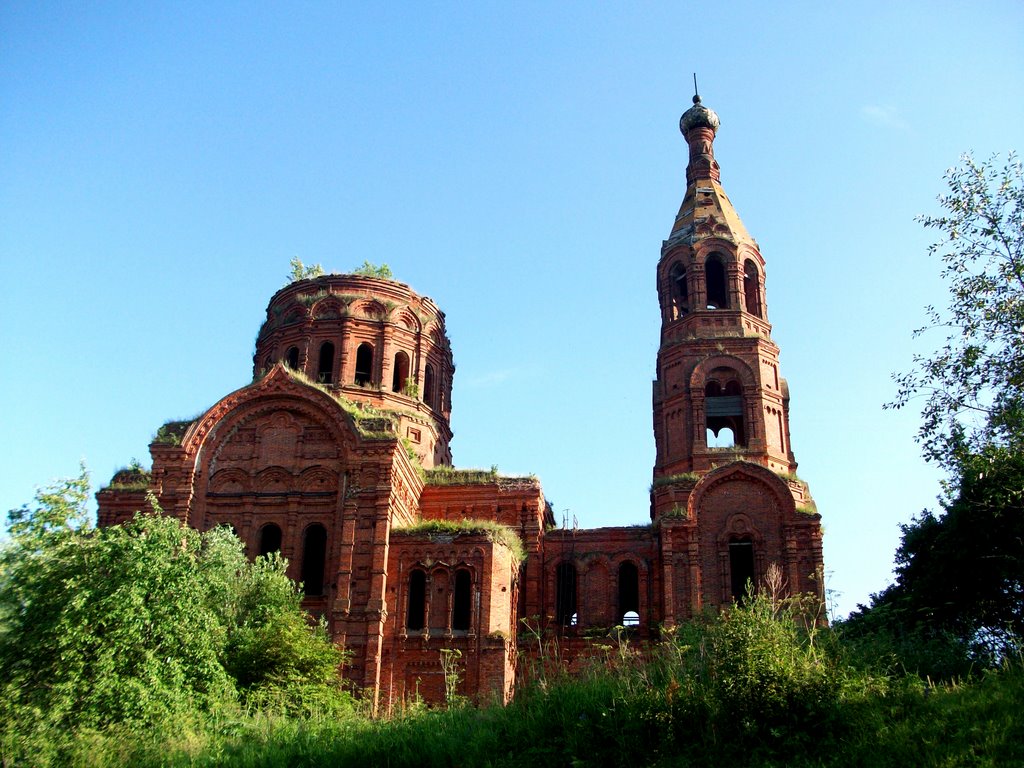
x: 628, y: 557
x: 704, y: 368
x: 710, y: 245
x: 247, y: 401
x: 230, y: 481
x: 775, y: 486
x: 318, y: 479
x: 372, y: 309
x: 747, y: 251
x: 328, y: 308
x: 739, y: 526
x: 273, y: 430
x: 273, y: 480
x: 408, y: 318
x: 735, y: 503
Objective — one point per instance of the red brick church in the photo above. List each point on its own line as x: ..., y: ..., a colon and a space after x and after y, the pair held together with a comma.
x: 337, y: 455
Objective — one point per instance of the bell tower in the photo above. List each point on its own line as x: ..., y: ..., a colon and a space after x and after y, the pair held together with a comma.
x: 725, y: 496
x: 719, y: 394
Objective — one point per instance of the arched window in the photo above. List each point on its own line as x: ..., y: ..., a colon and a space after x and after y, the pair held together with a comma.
x: 629, y: 595
x: 364, y: 364
x: 292, y: 358
x: 270, y: 539
x: 415, y: 616
x: 314, y: 558
x: 741, y: 567
x: 723, y: 410
x: 678, y: 290
x: 462, y: 600
x: 751, y: 288
x: 325, y: 372
x: 401, y: 374
x: 565, y: 595
x: 428, y: 385
x: 714, y: 279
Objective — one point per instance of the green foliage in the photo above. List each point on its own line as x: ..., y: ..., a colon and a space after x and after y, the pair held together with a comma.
x: 142, y: 624
x: 974, y: 384
x: 172, y: 432
x: 761, y: 684
x: 958, y: 599
x: 275, y: 657
x: 131, y: 478
x: 300, y: 271
x: 959, y: 590
x: 410, y: 388
x: 369, y: 269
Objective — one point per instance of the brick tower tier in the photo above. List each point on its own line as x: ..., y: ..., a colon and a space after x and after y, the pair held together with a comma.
x: 373, y: 341
x: 724, y: 474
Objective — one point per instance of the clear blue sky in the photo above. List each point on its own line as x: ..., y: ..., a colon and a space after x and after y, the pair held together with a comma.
x: 518, y: 162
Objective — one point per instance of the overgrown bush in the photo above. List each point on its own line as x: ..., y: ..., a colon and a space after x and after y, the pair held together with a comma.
x: 143, y: 624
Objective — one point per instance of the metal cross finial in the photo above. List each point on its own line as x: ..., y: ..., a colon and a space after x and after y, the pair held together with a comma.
x: 696, y: 95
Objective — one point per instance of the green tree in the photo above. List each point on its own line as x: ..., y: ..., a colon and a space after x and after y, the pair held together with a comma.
x: 960, y: 576
x: 973, y: 384
x: 142, y: 622
x: 369, y: 269
x: 959, y: 589
x: 300, y: 271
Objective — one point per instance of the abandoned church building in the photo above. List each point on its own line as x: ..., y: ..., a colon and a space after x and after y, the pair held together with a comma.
x: 337, y: 455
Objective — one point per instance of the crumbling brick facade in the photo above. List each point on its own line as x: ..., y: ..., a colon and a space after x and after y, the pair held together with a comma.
x: 337, y: 455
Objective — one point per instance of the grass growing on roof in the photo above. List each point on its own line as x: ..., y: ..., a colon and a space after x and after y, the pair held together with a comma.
x: 495, y: 532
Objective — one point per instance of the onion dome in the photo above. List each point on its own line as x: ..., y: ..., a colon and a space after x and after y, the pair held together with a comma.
x: 698, y: 116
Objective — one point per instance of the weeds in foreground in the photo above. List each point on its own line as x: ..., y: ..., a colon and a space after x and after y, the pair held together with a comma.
x: 764, y: 684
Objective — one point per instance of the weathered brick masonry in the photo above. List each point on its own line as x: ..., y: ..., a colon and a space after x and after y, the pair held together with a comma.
x: 337, y: 454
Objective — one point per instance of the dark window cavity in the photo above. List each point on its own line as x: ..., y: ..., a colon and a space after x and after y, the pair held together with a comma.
x: 292, y: 359
x: 400, y: 379
x: 364, y: 364
x: 270, y: 539
x: 751, y: 288
x: 714, y: 279
x: 565, y: 595
x: 462, y: 600
x: 325, y: 372
x: 417, y: 610
x: 428, y: 385
x: 741, y: 567
x: 314, y: 558
x: 629, y: 595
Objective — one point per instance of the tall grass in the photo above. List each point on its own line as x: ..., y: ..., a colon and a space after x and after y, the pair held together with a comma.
x: 760, y: 685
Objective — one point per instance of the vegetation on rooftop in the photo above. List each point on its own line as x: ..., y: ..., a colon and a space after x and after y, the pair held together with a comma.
x: 134, y: 477
x: 445, y: 475
x: 369, y: 269
x: 300, y: 271
x: 681, y: 478
x: 172, y: 432
x: 496, y: 533
x: 369, y: 420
